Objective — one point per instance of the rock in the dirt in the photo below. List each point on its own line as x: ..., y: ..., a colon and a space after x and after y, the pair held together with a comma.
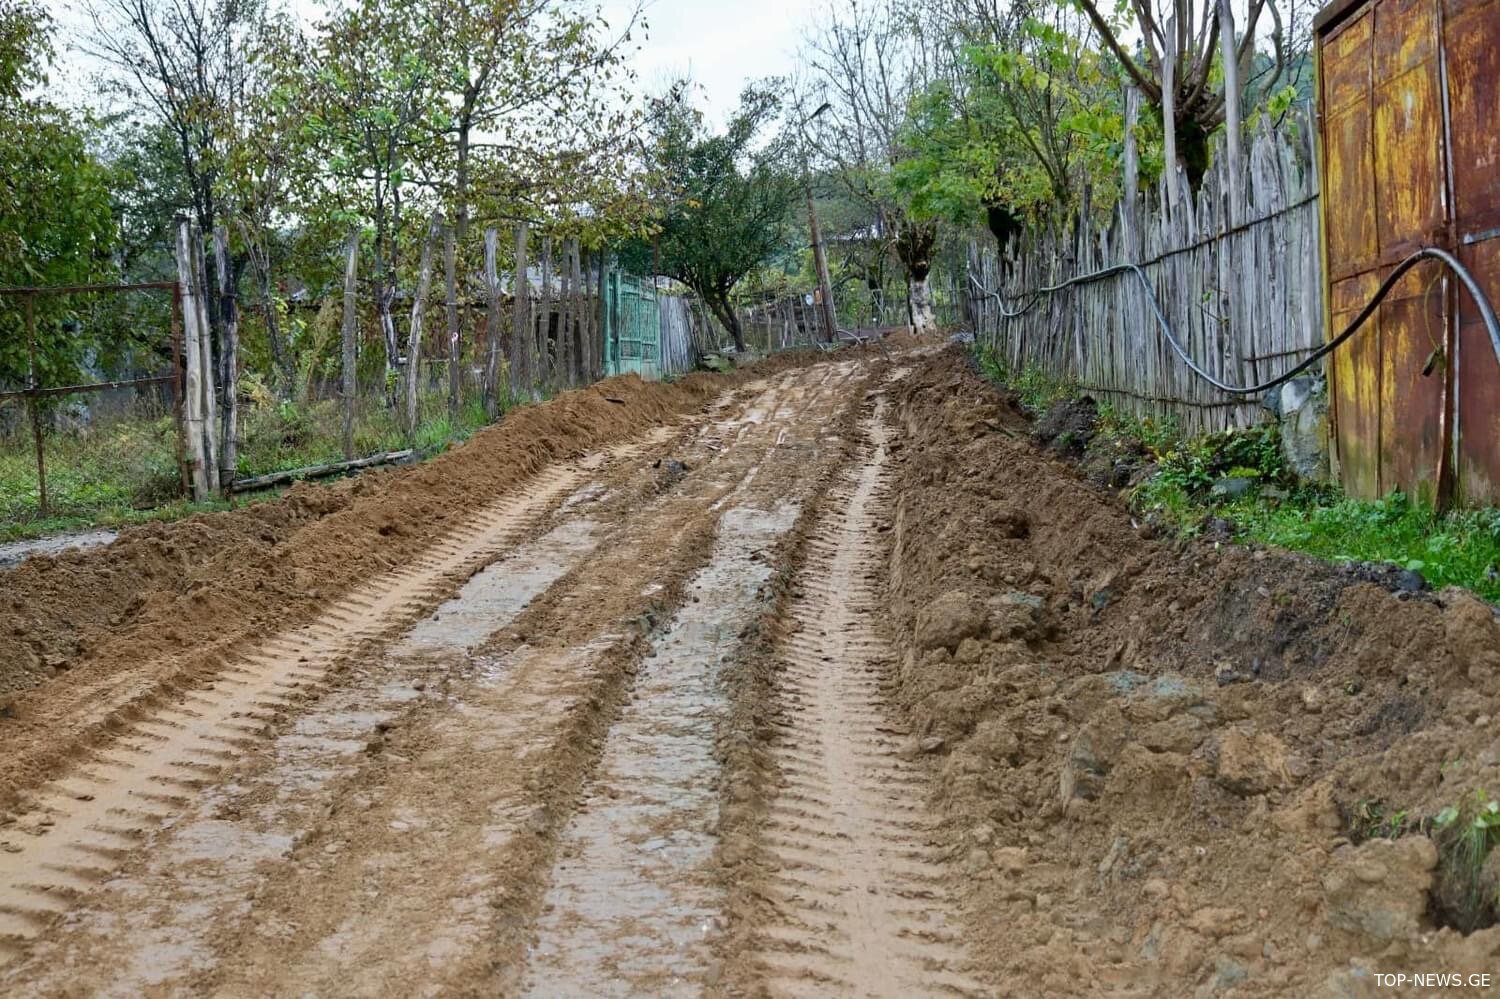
x: 1410, y: 581
x: 949, y: 619
x: 1091, y: 756
x: 1251, y: 765
x: 1232, y: 488
x: 1379, y: 889
x: 1015, y: 615
x: 1215, y: 921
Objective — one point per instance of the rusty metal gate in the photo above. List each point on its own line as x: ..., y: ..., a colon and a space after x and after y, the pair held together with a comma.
x: 1409, y: 101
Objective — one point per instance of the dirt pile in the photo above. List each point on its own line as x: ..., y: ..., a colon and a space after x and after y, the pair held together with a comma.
x: 1177, y: 762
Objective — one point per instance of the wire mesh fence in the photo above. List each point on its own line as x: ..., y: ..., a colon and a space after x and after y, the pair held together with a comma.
x: 89, y: 416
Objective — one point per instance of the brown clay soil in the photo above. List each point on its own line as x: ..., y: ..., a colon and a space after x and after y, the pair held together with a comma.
x: 822, y: 678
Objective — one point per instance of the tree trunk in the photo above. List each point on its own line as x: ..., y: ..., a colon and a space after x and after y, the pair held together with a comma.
x: 346, y: 342
x: 229, y: 352
x: 206, y: 353
x: 492, y: 324
x: 414, y: 341
x: 919, y: 302
x: 724, y: 313
x: 914, y: 242
x: 451, y: 311
x: 198, y: 455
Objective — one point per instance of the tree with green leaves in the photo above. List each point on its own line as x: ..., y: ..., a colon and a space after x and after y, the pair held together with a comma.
x: 527, y: 80
x: 725, y: 199
x: 1025, y: 115
x: 374, y: 116
x: 57, y: 226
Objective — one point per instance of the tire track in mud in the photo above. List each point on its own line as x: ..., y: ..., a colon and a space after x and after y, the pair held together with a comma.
x: 79, y: 827
x: 446, y: 902
x: 633, y: 904
x: 356, y: 865
x: 855, y: 881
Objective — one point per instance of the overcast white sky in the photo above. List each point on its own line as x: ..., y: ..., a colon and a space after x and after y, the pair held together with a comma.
x: 720, y: 43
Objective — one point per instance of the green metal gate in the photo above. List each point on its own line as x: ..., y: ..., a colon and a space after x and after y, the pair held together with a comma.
x: 632, y: 326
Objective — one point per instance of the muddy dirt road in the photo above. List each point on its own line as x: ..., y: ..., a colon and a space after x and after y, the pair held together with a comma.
x: 816, y: 680
x: 493, y: 769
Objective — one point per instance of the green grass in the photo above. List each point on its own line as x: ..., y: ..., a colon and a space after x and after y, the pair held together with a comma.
x: 125, y: 471
x: 114, y: 517
x: 1460, y: 548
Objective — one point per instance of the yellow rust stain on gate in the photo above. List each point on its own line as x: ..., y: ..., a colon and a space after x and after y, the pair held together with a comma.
x: 1409, y: 95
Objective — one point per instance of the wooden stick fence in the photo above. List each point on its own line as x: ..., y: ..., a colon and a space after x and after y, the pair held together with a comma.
x: 1235, y: 269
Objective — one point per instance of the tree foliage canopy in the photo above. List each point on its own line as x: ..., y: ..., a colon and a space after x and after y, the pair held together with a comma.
x: 724, y: 199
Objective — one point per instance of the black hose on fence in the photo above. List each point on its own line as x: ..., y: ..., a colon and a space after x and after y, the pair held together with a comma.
x: 1486, y: 313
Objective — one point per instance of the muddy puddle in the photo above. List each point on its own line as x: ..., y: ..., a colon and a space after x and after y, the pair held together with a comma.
x: 13, y: 553
x: 633, y: 906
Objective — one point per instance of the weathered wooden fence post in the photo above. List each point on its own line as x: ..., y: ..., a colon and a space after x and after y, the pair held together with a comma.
x: 545, y: 363
x: 454, y: 373
x: 1230, y: 59
x: 34, y: 403
x: 580, y: 354
x: 414, y: 339
x: 599, y: 345
x: 229, y: 360
x: 206, y: 361
x: 520, y: 354
x: 350, y: 388
x: 492, y: 324
x: 192, y: 342
x: 1169, y: 113
x: 565, y: 321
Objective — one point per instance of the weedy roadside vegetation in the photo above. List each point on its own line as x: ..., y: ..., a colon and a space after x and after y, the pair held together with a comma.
x: 1182, y: 483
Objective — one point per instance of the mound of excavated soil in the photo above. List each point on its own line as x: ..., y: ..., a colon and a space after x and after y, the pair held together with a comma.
x: 1171, y: 763
x: 208, y: 580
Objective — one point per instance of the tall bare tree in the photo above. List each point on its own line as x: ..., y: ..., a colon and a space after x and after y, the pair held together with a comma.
x: 868, y: 64
x: 1179, y: 42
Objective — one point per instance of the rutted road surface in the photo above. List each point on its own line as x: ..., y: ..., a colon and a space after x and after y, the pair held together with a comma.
x: 815, y: 680
x: 496, y: 770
